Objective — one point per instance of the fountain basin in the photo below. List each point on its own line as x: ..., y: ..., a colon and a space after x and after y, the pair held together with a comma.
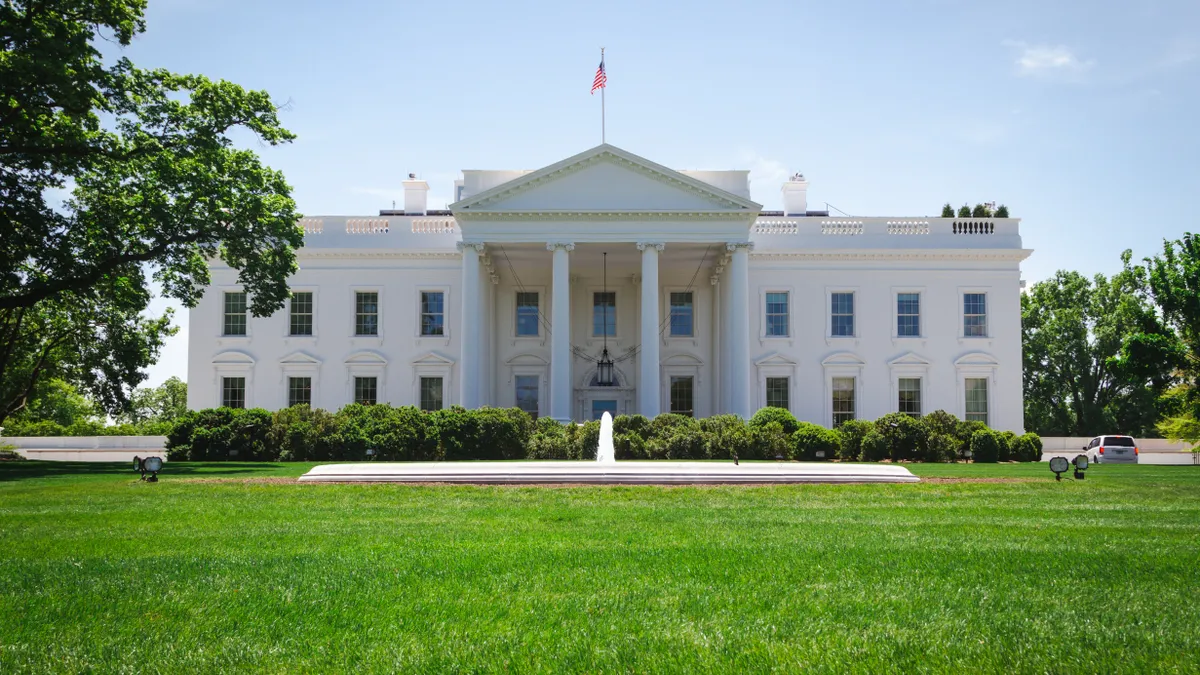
x: 604, y: 473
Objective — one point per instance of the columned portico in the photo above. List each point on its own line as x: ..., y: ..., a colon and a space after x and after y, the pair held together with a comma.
x: 650, y: 389
x: 560, y: 336
x: 739, y: 337
x: 472, y: 330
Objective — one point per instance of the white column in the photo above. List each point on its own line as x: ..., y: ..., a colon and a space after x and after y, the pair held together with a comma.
x: 649, y: 388
x: 739, y: 339
x: 726, y: 336
x: 471, y: 363
x: 718, y: 378
x: 560, y: 335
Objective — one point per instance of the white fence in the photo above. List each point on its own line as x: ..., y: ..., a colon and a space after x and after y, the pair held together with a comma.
x: 88, y: 448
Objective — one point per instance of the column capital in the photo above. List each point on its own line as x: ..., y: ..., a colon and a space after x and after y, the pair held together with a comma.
x: 479, y: 246
x: 714, y: 280
x: 564, y: 245
x: 658, y: 245
x: 735, y: 245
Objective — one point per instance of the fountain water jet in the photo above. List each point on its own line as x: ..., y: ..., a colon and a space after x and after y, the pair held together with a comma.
x: 605, y: 452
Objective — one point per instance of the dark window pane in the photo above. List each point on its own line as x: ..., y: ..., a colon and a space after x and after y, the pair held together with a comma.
x: 681, y: 395
x: 299, y: 391
x: 681, y: 314
x: 777, y: 392
x: 235, y: 313
x: 302, y: 314
x: 777, y: 314
x: 527, y: 393
x: 604, y: 313
x: 433, y: 313
x: 233, y: 392
x: 431, y: 393
x: 366, y: 390
x: 366, y: 313
x: 527, y: 314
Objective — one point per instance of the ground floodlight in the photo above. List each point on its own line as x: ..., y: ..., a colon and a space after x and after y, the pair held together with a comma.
x: 1059, y: 466
x: 1081, y: 465
x: 370, y: 453
x: 148, y: 465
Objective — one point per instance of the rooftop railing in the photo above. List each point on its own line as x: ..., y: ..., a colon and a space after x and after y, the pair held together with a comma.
x: 889, y: 232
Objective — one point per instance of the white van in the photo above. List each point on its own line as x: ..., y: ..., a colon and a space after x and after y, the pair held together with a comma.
x: 1112, y: 450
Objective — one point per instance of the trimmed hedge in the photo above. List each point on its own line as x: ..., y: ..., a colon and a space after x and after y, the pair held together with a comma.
x: 408, y: 434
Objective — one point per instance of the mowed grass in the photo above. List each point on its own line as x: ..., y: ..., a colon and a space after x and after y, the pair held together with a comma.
x: 234, y: 567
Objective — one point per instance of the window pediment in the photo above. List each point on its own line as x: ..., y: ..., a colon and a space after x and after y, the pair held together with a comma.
x: 233, y: 357
x: 977, y: 359
x: 843, y: 359
x: 909, y: 359
x: 366, y: 358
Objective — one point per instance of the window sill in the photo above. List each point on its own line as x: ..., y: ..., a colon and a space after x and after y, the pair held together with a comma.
x: 842, y: 340
x: 917, y: 340
x: 981, y: 341
x: 234, y: 339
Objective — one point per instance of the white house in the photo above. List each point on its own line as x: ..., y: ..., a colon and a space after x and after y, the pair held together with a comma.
x: 705, y: 303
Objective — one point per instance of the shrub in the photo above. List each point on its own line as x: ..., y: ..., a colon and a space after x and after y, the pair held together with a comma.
x: 1007, y: 441
x: 852, y: 433
x: 965, y: 431
x: 726, y: 436
x: 485, y: 433
x: 220, y: 434
x: 942, y: 448
x: 637, y: 425
x: 302, y: 433
x: 42, y: 428
x: 583, y: 440
x: 783, y: 416
x: 907, y: 436
x: 941, y: 422
x: 630, y: 446
x: 874, y: 446
x: 985, y: 446
x: 684, y: 441
x: 1027, y: 448
x: 549, y: 440
x: 811, y: 439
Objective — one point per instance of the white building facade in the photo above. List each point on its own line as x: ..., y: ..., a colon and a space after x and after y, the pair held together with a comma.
x: 704, y: 303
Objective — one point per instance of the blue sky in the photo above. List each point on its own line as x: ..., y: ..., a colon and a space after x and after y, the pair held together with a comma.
x: 1080, y: 116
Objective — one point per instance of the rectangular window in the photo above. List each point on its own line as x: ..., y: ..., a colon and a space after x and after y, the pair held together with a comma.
x: 527, y: 394
x: 843, y: 400
x: 235, y: 313
x: 777, y: 392
x: 604, y: 313
x: 601, y: 407
x: 299, y: 391
x: 527, y: 314
x: 977, y: 399
x: 681, y: 314
x: 433, y: 313
x: 681, y: 395
x: 233, y: 392
x: 908, y: 314
x: 777, y: 314
x: 366, y: 390
x: 842, y: 314
x: 366, y: 313
x: 975, y: 314
x: 302, y: 314
x: 431, y: 393
x: 910, y: 396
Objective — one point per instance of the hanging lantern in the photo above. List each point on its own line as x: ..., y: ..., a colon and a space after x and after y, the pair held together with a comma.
x: 604, y: 367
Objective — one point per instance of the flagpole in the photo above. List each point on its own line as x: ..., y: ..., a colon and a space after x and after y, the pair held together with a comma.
x: 602, y: 130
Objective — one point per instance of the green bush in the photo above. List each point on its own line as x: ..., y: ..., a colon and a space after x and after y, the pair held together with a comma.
x: 221, y: 434
x: 907, y: 436
x: 395, y: 434
x: 985, y: 446
x: 875, y: 447
x: 630, y: 446
x: 1007, y: 441
x: 41, y: 428
x: 637, y: 425
x: 811, y: 439
x: 942, y: 448
x: 726, y: 436
x: 783, y: 416
x: 1027, y: 448
x: 583, y: 440
x: 965, y: 431
x: 301, y: 433
x: 549, y: 440
x: 852, y: 433
x: 681, y: 442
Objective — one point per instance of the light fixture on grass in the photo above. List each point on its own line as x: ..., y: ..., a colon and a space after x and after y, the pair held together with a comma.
x: 1081, y: 465
x: 148, y: 465
x: 370, y: 453
x: 1059, y: 466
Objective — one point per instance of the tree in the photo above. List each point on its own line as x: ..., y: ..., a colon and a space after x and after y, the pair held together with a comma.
x: 164, y: 403
x: 59, y: 402
x: 157, y: 189
x: 947, y: 210
x: 1096, y: 357
x: 1173, y: 280
x: 964, y: 211
x: 1001, y: 211
x: 980, y: 211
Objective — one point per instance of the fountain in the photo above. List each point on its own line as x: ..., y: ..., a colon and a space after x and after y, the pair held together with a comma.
x: 605, y: 452
x: 607, y: 471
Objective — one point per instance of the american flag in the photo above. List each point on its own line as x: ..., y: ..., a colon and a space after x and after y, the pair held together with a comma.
x: 601, y: 79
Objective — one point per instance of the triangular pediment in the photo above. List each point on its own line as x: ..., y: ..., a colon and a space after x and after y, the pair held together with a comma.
x: 432, y: 359
x: 300, y: 358
x: 775, y: 360
x: 908, y: 359
x: 604, y: 179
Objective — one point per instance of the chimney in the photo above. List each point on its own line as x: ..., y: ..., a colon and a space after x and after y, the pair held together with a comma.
x: 416, y: 193
x: 795, y: 196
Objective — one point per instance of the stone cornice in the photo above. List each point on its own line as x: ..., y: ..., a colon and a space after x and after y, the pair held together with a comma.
x: 539, y: 215
x: 479, y: 246
x: 449, y: 254
x: 1013, y: 255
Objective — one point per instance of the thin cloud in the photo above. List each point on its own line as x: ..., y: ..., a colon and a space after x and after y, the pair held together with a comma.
x: 1048, y: 60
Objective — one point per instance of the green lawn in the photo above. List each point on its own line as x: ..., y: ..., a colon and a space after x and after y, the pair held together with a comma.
x: 209, y: 572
